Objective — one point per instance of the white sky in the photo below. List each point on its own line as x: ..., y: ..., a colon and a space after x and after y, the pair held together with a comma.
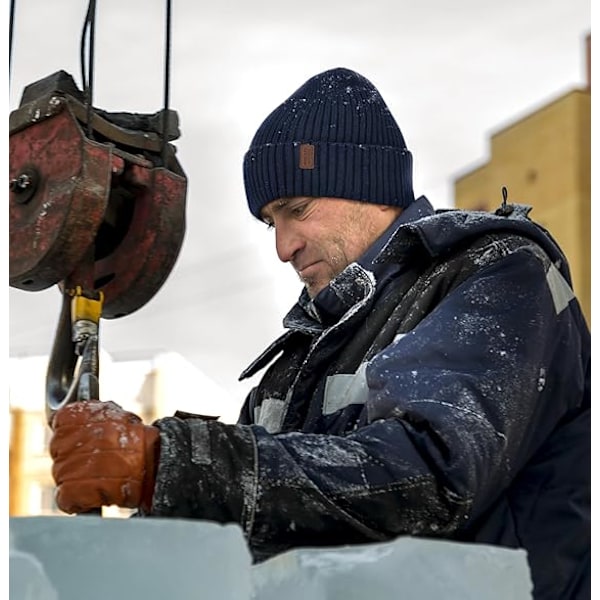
x: 451, y: 72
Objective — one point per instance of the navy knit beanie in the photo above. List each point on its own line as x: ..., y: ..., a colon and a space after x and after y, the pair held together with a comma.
x: 334, y: 137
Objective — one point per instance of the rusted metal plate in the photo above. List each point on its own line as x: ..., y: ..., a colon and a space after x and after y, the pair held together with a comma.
x: 50, y: 231
x: 131, y: 275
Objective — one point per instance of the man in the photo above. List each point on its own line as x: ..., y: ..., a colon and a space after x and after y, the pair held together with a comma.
x: 434, y: 378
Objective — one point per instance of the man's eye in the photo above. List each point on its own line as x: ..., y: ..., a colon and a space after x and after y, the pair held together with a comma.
x: 299, y: 209
x: 270, y: 225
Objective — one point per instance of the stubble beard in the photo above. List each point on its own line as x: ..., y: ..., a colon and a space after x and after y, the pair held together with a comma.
x: 336, y: 262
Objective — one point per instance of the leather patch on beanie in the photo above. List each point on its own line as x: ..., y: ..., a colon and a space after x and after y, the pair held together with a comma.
x: 307, y: 156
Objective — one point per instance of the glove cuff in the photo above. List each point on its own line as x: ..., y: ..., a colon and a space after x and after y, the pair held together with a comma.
x: 152, y: 453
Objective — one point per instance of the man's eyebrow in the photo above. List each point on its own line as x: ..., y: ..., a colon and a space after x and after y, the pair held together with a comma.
x: 274, y: 207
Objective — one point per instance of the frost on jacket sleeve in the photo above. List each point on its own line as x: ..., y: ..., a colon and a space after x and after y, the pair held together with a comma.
x: 455, y: 408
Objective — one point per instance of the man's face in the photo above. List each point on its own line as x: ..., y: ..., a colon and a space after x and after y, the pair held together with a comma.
x: 320, y: 237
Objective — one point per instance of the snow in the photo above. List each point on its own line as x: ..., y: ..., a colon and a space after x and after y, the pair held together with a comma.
x: 97, y: 558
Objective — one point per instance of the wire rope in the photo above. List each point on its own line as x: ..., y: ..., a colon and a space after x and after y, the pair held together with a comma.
x: 167, y: 83
x: 87, y: 78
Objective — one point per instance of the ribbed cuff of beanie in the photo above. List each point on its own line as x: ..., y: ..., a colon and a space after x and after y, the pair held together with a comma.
x: 377, y: 174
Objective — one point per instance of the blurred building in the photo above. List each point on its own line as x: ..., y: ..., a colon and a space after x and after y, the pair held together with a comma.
x: 152, y: 387
x: 544, y: 160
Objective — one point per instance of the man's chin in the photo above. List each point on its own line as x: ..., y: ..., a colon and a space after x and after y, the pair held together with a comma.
x: 314, y: 287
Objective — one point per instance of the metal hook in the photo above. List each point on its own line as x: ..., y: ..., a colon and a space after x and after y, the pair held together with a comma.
x: 73, y: 368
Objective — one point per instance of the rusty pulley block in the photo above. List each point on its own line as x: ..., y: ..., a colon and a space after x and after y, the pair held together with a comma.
x: 98, y: 194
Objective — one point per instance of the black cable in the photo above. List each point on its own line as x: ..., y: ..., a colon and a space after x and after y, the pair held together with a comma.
x: 91, y: 41
x: 82, y: 52
x: 167, y: 83
x: 87, y: 79
x: 10, y: 34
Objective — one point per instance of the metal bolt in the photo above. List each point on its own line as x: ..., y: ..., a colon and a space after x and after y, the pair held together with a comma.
x: 24, y: 185
x: 22, y: 182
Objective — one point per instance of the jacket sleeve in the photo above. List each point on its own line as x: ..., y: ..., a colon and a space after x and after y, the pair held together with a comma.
x: 455, y: 408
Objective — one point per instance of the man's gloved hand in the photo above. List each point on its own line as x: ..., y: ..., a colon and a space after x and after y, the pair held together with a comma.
x: 102, y: 455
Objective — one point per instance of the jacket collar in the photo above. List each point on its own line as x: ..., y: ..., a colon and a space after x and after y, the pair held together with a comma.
x: 418, y: 227
x: 346, y: 289
x: 354, y: 287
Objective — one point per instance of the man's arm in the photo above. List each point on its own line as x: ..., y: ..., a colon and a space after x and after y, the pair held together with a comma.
x: 455, y: 408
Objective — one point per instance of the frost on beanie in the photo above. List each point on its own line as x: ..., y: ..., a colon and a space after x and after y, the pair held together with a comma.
x: 333, y: 137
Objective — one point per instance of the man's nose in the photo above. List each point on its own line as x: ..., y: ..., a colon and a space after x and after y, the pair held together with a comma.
x: 288, y: 241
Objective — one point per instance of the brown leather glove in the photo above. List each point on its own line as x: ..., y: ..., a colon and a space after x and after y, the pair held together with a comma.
x: 102, y: 455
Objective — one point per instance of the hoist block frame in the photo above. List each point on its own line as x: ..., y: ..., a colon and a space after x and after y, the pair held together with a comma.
x: 50, y: 231
x: 153, y: 242
x: 80, y: 189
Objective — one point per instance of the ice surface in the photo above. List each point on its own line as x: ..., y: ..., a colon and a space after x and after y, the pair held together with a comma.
x: 93, y: 558
x: 28, y: 580
x: 404, y: 568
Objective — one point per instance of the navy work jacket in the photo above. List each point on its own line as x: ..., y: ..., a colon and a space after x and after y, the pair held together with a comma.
x: 438, y: 387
